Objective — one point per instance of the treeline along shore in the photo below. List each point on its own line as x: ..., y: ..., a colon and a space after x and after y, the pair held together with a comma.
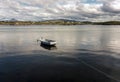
x: 58, y: 22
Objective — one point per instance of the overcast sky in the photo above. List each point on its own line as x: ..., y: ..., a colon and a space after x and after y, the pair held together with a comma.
x: 83, y: 10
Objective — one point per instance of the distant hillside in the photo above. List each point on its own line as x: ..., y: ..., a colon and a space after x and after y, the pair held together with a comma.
x: 108, y: 23
x: 57, y: 22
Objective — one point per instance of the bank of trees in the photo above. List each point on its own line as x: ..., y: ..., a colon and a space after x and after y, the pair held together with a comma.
x: 58, y: 22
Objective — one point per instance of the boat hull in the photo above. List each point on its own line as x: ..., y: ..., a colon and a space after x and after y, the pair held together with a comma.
x: 48, y: 43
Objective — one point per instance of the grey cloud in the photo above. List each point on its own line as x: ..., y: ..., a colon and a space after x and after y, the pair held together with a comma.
x: 58, y: 9
x: 111, y: 6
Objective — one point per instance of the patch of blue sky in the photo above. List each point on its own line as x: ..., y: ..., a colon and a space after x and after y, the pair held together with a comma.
x: 29, y: 4
x: 91, y: 1
x: 23, y: 3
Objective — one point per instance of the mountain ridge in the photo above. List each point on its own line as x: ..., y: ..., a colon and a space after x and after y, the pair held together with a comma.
x: 57, y: 22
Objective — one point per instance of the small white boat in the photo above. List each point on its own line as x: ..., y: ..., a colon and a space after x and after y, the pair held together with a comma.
x: 48, y: 47
x: 47, y: 42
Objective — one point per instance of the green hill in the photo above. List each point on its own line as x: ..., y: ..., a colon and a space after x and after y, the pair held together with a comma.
x: 58, y: 22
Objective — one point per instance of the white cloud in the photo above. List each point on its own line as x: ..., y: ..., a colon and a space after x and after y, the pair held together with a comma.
x: 112, y: 6
x: 103, y: 10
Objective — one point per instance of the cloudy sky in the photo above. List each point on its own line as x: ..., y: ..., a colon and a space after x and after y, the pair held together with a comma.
x: 83, y: 10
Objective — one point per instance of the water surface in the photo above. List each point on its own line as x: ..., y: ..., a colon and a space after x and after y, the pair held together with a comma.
x: 86, y: 53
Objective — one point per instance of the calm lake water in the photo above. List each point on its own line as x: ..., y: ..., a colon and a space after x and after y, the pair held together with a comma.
x: 84, y: 53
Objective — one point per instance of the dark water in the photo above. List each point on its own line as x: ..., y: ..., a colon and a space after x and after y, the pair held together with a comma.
x: 83, y: 54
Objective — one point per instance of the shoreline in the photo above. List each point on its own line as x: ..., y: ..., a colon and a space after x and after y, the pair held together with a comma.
x: 58, y: 22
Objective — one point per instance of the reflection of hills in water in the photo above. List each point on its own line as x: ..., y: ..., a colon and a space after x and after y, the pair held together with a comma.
x: 48, y: 47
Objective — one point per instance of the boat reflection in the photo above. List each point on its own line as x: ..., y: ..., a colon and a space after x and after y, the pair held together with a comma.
x: 48, y: 47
